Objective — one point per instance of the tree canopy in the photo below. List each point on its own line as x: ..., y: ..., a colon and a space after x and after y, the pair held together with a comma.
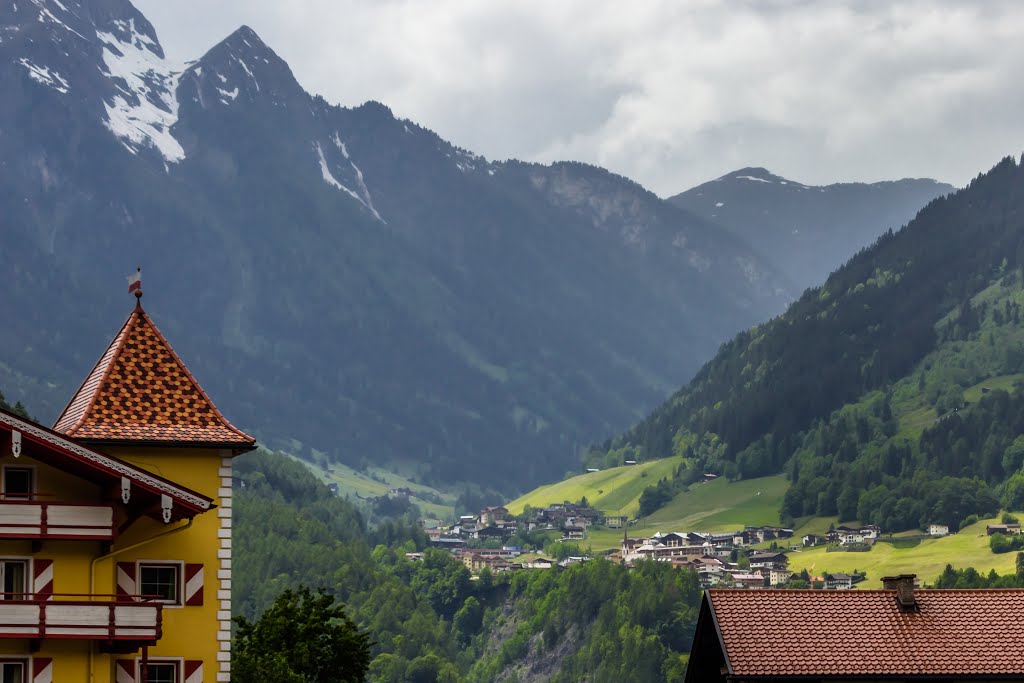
x: 304, y: 637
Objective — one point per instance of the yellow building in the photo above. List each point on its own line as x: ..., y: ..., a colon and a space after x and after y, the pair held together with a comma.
x: 115, y: 527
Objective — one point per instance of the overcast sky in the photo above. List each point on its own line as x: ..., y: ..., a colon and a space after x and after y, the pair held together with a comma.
x: 668, y: 93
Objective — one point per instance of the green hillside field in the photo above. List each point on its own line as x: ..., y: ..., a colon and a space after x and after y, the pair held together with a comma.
x: 615, y: 491
x: 715, y: 506
x: 924, y: 557
x: 377, y: 481
x: 725, y: 506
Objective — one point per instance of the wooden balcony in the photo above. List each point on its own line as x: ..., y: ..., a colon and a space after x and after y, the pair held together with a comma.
x: 44, y: 520
x: 107, y: 618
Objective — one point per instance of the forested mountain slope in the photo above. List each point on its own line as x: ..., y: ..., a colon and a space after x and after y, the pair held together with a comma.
x: 853, y: 377
x: 806, y: 230
x: 595, y: 621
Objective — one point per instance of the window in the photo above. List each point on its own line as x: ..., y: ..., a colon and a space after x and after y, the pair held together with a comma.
x: 12, y: 671
x: 13, y: 580
x: 161, y: 581
x: 19, y: 482
x: 161, y: 672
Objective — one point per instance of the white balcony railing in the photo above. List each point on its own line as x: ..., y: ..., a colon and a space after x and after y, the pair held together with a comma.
x: 50, y: 520
x: 77, y: 616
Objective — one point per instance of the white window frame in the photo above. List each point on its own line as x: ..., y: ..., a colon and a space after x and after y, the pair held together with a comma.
x: 179, y: 667
x: 3, y: 480
x: 179, y: 565
x: 29, y: 575
x: 26, y: 668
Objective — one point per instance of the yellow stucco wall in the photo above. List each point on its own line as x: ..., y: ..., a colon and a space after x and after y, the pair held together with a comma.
x: 189, y: 632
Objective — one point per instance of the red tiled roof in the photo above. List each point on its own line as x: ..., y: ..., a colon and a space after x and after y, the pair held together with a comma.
x: 785, y: 633
x: 140, y: 391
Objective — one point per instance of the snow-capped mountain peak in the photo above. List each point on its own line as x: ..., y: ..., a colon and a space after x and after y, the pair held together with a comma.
x: 144, y: 106
x: 105, y: 52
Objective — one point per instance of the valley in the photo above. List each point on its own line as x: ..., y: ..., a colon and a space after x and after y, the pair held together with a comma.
x: 501, y: 420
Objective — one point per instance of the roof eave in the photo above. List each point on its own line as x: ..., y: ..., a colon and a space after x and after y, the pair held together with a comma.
x: 718, y: 631
x: 77, y: 450
x: 238, y: 446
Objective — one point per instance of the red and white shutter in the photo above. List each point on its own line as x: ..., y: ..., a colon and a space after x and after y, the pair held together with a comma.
x: 193, y: 671
x: 124, y: 671
x: 127, y: 585
x: 42, y: 579
x: 193, y: 585
x: 42, y: 670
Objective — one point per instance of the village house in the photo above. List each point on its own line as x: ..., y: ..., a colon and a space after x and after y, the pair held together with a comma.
x: 1005, y: 529
x: 539, y: 563
x: 938, y: 530
x: 742, y: 579
x: 779, y: 577
x: 897, y: 633
x: 615, y: 521
x: 813, y: 540
x: 768, y: 560
x: 839, y: 581
x: 115, y: 525
x: 489, y: 516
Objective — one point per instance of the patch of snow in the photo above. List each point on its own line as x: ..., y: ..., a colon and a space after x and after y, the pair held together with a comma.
x: 151, y: 83
x: 365, y: 199
x: 340, y: 145
x: 43, y: 75
x: 490, y: 171
x: 328, y: 176
x: 58, y: 4
x: 331, y: 180
x: 246, y: 67
x: 750, y: 177
x: 46, y: 15
x: 223, y: 79
x: 783, y: 182
x: 198, y: 71
x: 719, y: 205
x: 230, y: 94
x: 405, y: 127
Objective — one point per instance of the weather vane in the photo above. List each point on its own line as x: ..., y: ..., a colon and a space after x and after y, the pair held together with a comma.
x: 135, y: 284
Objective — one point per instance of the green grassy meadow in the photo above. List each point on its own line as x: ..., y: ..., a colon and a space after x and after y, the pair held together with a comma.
x: 376, y: 482
x: 715, y: 506
x: 615, y: 491
x: 926, y: 558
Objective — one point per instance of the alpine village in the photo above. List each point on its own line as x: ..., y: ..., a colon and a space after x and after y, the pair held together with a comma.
x: 485, y: 421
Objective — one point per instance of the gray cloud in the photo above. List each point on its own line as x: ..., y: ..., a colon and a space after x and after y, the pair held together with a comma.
x: 668, y: 93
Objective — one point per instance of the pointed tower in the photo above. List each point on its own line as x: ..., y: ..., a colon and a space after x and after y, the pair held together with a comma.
x: 141, y: 405
x: 140, y: 393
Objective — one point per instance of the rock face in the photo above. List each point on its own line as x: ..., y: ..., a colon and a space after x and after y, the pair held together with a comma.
x: 807, y: 231
x: 342, y: 280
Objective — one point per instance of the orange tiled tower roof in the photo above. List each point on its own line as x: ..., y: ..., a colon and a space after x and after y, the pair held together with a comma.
x: 140, y: 392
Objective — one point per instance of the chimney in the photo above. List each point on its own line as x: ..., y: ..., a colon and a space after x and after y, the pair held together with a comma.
x: 904, y: 587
